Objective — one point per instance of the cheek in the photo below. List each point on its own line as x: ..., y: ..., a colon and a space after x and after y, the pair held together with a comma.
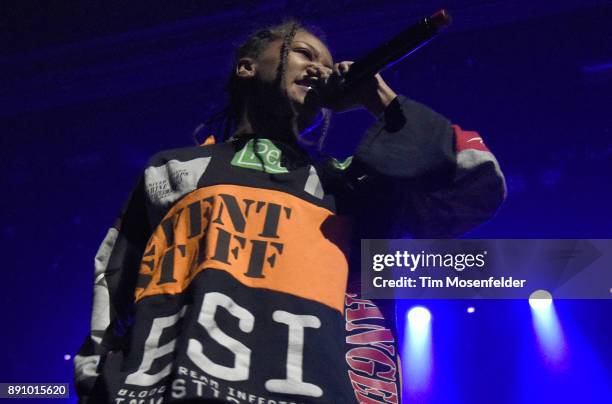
x: 267, y: 72
x: 295, y: 63
x: 270, y: 59
x: 268, y: 62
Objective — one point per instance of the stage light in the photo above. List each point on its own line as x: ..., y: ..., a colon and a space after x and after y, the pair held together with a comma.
x: 471, y: 309
x: 417, y: 352
x: 540, y: 300
x: 419, y: 317
x: 67, y: 357
x: 596, y: 68
x: 547, y: 328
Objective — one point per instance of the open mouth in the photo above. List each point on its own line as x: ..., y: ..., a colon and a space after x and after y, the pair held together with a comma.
x: 304, y: 87
x: 308, y: 84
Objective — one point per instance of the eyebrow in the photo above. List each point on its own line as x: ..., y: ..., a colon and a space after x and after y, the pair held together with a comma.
x: 314, y: 51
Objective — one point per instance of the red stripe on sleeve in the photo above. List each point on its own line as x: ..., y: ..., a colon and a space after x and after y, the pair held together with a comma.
x: 467, y: 139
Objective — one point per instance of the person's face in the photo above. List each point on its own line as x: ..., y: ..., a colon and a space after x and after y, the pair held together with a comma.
x: 308, y: 63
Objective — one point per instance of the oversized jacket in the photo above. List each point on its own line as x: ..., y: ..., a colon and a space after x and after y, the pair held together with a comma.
x: 226, y: 276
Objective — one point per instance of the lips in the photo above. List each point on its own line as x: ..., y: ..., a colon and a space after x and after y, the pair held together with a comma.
x: 304, y: 87
x: 308, y: 83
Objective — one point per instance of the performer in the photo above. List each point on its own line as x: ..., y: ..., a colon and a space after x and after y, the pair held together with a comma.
x: 226, y: 277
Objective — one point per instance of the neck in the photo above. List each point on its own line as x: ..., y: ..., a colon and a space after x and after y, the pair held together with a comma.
x: 254, y: 119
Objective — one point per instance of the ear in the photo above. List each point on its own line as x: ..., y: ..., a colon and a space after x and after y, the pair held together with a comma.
x: 245, y: 68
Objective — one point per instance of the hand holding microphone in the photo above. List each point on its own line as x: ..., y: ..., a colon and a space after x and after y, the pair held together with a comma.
x: 372, y: 92
x: 342, y: 89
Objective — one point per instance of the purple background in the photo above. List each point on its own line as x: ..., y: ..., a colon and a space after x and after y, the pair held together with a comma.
x: 89, y: 90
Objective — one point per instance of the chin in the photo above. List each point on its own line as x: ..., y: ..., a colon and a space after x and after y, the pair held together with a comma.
x: 310, y: 102
x: 307, y: 109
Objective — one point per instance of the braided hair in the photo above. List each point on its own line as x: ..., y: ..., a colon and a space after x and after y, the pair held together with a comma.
x: 224, y: 122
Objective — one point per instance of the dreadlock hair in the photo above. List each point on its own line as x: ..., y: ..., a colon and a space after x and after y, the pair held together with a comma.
x: 223, y: 122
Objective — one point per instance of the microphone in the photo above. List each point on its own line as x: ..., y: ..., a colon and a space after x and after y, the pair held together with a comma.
x: 384, y: 56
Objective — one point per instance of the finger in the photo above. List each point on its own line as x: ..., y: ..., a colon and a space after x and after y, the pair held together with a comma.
x: 344, y: 66
x: 313, y: 70
x: 337, y: 68
x: 325, y: 72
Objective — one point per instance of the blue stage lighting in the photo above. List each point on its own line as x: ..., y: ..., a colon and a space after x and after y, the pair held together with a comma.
x: 547, y: 328
x: 417, y: 355
x: 540, y: 300
x: 419, y: 317
x: 471, y: 309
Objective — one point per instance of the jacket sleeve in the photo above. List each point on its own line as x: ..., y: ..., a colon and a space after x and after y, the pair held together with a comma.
x: 116, y: 268
x: 431, y: 178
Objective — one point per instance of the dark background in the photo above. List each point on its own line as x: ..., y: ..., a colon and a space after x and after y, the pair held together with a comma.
x: 89, y: 90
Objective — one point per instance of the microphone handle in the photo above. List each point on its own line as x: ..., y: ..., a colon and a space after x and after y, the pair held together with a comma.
x: 387, y: 54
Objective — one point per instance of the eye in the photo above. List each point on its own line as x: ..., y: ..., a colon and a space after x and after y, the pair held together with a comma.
x: 304, y: 52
